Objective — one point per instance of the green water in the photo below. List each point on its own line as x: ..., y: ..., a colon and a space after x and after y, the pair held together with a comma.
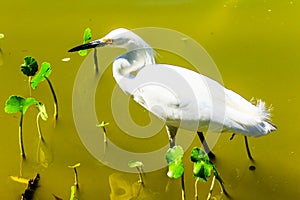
x: 255, y: 45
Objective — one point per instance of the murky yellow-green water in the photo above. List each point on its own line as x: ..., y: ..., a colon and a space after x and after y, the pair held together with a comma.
x: 255, y: 45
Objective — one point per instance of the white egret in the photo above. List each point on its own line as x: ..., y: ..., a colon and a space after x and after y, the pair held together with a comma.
x: 181, y: 97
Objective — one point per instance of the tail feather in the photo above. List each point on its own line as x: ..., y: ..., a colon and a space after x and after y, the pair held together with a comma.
x: 246, y: 118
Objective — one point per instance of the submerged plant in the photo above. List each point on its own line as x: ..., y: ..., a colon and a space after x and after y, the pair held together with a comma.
x: 75, y: 174
x: 139, y: 166
x: 43, y: 74
x: 41, y: 114
x: 102, y: 125
x: 203, y: 169
x: 86, y: 37
x: 176, y: 168
x: 74, y: 187
x: 29, y: 68
x: 15, y: 104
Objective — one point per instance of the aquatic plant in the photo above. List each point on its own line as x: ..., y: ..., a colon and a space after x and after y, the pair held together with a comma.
x: 29, y: 68
x: 175, y: 165
x: 102, y: 125
x: 44, y: 74
x: 32, y: 185
x: 203, y: 169
x: 74, y: 187
x: 86, y: 37
x: 15, y: 104
x: 41, y: 114
x: 139, y: 166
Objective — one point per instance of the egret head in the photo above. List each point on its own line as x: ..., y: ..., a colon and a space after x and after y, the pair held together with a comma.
x: 120, y: 37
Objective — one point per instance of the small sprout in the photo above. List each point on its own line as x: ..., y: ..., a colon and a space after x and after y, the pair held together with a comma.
x: 29, y: 68
x: 102, y: 125
x: 20, y: 104
x: 203, y: 169
x: 43, y: 74
x: 86, y: 37
x: 139, y: 166
x: 75, y: 174
x: 176, y: 168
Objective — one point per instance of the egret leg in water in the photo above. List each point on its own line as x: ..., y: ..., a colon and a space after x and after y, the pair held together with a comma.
x: 178, y: 95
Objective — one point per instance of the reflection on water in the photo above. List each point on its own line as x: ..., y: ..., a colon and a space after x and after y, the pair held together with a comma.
x: 124, y: 189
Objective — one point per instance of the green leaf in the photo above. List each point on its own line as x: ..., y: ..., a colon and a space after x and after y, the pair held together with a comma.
x: 202, y: 170
x: 102, y: 124
x: 173, y: 157
x: 133, y: 164
x: 176, y: 169
x: 198, y: 154
x: 18, y: 104
x: 174, y: 153
x: 42, y: 110
x: 86, y: 37
x: 30, y: 66
x: 45, y: 71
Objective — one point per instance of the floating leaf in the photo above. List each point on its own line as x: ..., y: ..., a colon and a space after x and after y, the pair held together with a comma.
x: 45, y: 71
x: 102, y: 124
x: 30, y: 66
x: 18, y: 104
x: 74, y: 166
x: 133, y: 164
x: 86, y: 37
x: 173, y: 157
x: 42, y: 110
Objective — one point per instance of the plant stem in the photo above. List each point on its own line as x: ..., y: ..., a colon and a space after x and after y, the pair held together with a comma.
x: 196, y: 189
x: 39, y: 127
x: 76, y: 178
x: 248, y: 150
x: 140, y: 176
x: 223, y: 190
x: 211, y: 188
x: 21, y: 137
x: 29, y: 84
x: 54, y: 98
x: 182, y: 187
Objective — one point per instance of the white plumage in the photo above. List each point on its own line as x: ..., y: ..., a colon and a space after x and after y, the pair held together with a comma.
x: 183, y: 98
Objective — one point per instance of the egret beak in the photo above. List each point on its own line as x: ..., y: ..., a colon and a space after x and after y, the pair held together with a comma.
x: 96, y: 43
